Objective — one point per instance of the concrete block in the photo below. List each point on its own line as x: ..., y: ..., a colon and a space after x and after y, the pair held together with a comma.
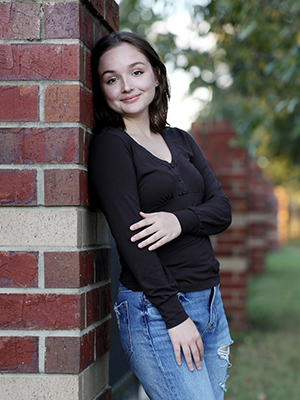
x: 94, y: 379
x: 40, y: 387
x: 234, y: 264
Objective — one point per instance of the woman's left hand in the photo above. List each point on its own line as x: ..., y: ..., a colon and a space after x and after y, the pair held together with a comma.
x: 159, y: 228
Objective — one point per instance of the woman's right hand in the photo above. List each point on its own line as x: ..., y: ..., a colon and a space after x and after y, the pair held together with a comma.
x: 186, y: 336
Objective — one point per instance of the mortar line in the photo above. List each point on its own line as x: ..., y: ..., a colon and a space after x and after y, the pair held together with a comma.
x: 42, y: 353
x: 41, y: 167
x: 57, y: 333
x: 41, y: 267
x: 45, y: 125
x: 57, y: 291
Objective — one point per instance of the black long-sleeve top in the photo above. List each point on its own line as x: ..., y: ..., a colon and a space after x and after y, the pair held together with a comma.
x: 128, y: 179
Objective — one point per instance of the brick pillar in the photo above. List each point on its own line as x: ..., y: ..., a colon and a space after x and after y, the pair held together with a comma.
x: 230, y: 167
x: 262, y: 221
x: 55, y: 326
x: 242, y: 248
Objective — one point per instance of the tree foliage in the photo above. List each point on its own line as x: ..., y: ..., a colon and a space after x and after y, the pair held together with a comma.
x: 259, y: 41
x: 252, y: 66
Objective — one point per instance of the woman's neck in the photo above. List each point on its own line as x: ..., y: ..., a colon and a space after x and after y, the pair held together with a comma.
x: 138, y: 128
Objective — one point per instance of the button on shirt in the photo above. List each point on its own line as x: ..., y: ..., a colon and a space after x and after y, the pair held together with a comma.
x: 128, y: 179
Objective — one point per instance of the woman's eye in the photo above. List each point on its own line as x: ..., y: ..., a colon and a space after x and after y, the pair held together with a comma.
x: 136, y: 73
x: 112, y: 80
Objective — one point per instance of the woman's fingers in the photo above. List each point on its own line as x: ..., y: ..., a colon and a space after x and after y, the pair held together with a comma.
x: 147, y: 220
x: 188, y: 357
x: 186, y: 337
x: 158, y: 229
x: 177, y: 353
x: 197, y: 354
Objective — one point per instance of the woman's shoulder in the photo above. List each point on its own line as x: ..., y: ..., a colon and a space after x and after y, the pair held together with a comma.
x: 177, y: 135
x: 111, y: 137
x: 110, y: 142
x: 109, y: 131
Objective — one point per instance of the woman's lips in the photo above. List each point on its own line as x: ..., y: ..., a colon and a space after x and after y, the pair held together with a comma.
x: 131, y: 99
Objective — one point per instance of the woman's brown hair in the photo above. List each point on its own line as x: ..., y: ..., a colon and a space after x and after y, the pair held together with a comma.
x: 158, y: 108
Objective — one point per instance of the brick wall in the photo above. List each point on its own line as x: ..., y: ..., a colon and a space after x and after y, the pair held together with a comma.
x: 242, y: 248
x: 55, y: 326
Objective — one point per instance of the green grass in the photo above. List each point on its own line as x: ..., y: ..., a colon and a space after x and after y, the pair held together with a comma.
x: 266, y: 358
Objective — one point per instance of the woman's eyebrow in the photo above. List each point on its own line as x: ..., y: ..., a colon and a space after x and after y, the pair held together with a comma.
x: 129, y: 66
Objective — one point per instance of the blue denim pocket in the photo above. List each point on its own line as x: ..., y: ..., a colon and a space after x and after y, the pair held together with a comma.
x: 123, y: 321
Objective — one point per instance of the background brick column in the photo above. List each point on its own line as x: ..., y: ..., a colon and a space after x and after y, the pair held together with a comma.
x: 55, y: 325
x: 242, y: 248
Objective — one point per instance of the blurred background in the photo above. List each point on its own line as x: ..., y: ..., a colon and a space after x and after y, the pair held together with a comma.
x: 234, y: 75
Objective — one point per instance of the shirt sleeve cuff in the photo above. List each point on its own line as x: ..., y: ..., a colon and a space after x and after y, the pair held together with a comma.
x: 172, y: 312
x: 189, y: 221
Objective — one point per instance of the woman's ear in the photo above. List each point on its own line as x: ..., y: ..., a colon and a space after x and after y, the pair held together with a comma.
x: 157, y: 75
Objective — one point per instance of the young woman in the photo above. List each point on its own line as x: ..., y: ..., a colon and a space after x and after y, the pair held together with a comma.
x: 162, y: 202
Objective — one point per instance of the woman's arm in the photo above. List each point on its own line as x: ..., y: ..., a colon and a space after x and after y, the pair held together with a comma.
x: 214, y: 213
x: 113, y: 175
x: 210, y: 217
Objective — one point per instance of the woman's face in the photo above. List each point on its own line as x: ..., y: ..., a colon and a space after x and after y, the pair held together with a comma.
x: 127, y: 80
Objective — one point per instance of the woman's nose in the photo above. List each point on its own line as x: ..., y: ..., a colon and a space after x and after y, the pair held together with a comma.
x: 127, y: 85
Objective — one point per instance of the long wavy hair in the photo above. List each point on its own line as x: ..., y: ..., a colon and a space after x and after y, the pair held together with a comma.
x: 158, y: 108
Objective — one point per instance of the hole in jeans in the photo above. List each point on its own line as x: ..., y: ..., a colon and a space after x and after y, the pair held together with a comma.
x: 223, y: 353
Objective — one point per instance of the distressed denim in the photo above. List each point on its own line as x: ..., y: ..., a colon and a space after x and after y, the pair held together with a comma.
x: 149, y: 350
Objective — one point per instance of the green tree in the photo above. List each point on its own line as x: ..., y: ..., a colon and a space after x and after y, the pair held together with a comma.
x: 252, y: 67
x: 259, y: 42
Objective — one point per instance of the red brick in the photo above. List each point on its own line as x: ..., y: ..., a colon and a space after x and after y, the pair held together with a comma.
x: 86, y: 27
x: 19, y: 20
x: 66, y: 187
x: 49, y: 145
x: 88, y: 69
x: 62, y: 355
x: 233, y: 279
x: 18, y: 188
x: 99, y: 6
x: 106, y: 395
x: 18, y: 269
x: 98, y: 304
x: 112, y: 14
x: 62, y: 269
x: 103, y: 338
x: 61, y: 20
x: 87, y: 351
x: 19, y: 103
x: 41, y: 311
x: 37, y: 61
x: 62, y: 103
x: 86, y: 107
x: 68, y: 269
x: 63, y: 145
x: 69, y: 355
x: 105, y: 300
x: 18, y: 354
x: 87, y: 267
x: 93, y: 306
x: 99, y: 32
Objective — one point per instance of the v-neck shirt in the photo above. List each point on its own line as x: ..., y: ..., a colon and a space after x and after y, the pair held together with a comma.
x: 127, y: 179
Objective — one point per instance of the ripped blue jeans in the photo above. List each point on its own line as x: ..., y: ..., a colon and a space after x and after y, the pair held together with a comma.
x: 149, y: 351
